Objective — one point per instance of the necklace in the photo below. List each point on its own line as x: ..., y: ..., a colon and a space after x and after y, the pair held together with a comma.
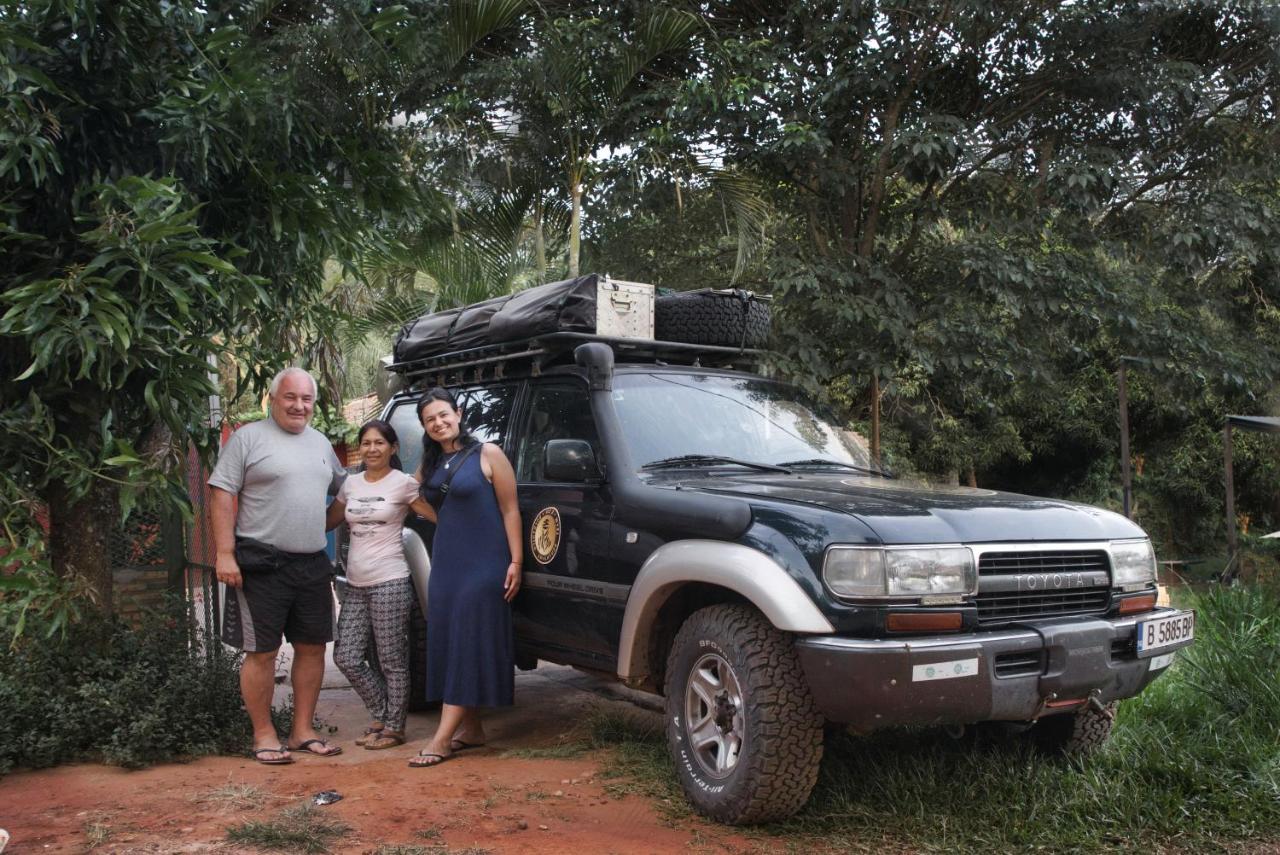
x: 451, y: 457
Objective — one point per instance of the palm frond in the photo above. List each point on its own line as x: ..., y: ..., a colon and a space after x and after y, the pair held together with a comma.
x: 257, y: 13
x: 386, y: 317
x: 470, y: 21
x: 744, y: 197
x: 659, y: 32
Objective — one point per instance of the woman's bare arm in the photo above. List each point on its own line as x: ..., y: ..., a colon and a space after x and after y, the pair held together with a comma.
x: 336, y: 513
x: 504, y: 489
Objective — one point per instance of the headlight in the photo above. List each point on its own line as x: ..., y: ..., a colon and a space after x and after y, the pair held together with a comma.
x: 1133, y: 562
x: 857, y: 571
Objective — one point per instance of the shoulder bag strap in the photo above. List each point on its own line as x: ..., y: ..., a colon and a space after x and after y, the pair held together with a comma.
x: 454, y: 469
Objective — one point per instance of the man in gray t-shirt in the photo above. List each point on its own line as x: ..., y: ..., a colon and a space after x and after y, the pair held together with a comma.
x: 270, y: 555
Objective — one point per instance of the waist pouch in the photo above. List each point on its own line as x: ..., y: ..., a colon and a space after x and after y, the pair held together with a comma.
x: 258, y: 557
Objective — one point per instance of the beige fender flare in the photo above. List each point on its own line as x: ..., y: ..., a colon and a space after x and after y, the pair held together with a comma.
x: 746, y: 571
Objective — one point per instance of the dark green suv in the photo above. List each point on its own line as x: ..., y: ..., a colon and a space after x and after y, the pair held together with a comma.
x: 704, y: 533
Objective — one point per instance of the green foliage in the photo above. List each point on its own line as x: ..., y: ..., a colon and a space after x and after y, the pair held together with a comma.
x: 330, y: 422
x: 171, y: 186
x: 986, y: 208
x: 132, y: 697
x: 1192, y: 764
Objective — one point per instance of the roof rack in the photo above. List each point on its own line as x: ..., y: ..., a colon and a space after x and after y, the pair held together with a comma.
x: 529, y: 356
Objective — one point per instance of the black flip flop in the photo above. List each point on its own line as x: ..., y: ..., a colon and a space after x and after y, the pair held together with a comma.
x: 305, y: 745
x: 257, y: 753
x: 443, y: 758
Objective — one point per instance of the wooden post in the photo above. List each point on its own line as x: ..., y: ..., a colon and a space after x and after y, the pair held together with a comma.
x: 1231, y: 493
x: 1126, y: 476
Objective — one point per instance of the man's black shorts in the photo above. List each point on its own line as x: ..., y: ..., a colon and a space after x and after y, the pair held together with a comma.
x: 291, y: 595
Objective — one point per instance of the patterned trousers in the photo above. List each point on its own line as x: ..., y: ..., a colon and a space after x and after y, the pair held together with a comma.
x: 372, y: 618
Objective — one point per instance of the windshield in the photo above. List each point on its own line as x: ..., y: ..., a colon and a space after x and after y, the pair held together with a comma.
x: 672, y: 415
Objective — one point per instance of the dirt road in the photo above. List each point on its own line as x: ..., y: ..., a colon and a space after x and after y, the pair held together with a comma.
x: 482, y: 800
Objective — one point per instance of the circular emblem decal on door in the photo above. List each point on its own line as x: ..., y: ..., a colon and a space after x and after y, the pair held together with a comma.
x: 544, y: 535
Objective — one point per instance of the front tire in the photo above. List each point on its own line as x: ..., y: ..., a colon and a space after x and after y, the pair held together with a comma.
x: 1076, y: 734
x: 742, y: 726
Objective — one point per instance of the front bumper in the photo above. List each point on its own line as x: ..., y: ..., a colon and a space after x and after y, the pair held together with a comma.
x: 1016, y: 674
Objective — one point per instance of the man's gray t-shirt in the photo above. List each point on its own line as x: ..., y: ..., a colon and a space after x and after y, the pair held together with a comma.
x: 282, y: 480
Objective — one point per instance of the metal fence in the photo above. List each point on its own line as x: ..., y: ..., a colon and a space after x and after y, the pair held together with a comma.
x: 199, y: 583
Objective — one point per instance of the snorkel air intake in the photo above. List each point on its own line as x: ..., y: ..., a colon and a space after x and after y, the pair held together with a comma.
x: 637, y: 503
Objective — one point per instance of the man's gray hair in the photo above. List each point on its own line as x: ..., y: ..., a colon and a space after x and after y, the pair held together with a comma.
x: 293, y: 369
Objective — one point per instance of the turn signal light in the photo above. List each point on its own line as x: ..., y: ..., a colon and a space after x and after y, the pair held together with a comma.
x: 1133, y: 605
x: 923, y: 622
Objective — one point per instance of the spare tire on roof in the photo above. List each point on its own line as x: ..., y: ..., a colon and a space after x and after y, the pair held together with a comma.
x: 722, y: 318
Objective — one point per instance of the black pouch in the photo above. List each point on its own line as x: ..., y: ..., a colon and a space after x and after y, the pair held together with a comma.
x: 257, y: 557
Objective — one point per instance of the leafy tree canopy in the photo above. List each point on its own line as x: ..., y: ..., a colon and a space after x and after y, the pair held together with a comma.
x: 170, y: 187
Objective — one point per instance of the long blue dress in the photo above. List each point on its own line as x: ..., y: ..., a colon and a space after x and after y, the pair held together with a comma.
x: 470, y: 648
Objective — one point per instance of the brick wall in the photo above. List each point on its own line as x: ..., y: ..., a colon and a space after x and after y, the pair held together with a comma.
x: 137, y: 591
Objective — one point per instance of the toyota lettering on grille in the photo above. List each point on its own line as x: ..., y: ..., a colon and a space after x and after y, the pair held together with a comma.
x: 1050, y: 581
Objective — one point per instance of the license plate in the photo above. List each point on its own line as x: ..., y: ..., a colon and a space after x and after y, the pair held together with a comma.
x: 1161, y: 633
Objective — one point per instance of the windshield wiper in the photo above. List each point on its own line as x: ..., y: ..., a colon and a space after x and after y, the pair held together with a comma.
x: 823, y: 461
x: 710, y: 459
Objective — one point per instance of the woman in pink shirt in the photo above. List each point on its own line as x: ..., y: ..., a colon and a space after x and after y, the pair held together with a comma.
x: 375, y: 612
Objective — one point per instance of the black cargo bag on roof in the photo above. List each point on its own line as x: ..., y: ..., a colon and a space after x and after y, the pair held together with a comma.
x: 567, y: 306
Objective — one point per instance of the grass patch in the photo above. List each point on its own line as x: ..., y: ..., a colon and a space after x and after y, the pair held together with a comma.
x: 232, y: 796
x: 300, y: 829
x: 97, y: 834
x: 563, y: 751
x: 1194, y: 763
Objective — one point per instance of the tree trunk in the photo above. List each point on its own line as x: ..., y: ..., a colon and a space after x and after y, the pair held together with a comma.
x: 80, y: 536
x: 539, y: 242
x: 575, y: 226
x: 875, y: 420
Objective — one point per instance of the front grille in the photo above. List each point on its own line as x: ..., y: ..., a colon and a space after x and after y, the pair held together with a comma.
x: 1056, y: 561
x: 1014, y: 586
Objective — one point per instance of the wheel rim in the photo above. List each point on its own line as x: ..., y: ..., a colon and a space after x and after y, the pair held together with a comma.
x: 713, y: 714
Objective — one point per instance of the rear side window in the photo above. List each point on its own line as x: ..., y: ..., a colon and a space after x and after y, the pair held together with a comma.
x: 404, y: 418
x: 486, y: 413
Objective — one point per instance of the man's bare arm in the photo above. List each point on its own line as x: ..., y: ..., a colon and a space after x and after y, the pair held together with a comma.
x: 222, y: 510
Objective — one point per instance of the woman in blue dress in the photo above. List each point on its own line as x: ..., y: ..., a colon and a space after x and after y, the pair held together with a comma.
x: 475, y: 573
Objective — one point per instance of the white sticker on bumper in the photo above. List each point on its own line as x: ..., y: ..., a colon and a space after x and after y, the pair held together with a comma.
x: 1163, y: 661
x: 945, y: 670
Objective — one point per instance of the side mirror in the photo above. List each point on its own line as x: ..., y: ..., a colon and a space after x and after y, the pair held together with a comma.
x: 569, y: 460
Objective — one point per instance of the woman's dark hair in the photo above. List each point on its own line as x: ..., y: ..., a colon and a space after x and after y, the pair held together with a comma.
x: 431, y: 450
x: 388, y: 433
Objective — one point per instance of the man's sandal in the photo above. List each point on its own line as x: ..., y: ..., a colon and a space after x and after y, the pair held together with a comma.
x: 327, y: 749
x: 385, y: 739
x: 284, y: 760
x: 462, y: 745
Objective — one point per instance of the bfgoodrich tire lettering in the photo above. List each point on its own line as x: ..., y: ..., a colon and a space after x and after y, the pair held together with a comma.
x: 750, y: 750
x: 1075, y: 734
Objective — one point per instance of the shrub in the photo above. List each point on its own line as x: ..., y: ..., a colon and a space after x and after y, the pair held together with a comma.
x: 131, y: 697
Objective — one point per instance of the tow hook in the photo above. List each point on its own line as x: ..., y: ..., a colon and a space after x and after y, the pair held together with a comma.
x: 1044, y: 705
x: 1051, y: 702
x: 1095, y: 701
